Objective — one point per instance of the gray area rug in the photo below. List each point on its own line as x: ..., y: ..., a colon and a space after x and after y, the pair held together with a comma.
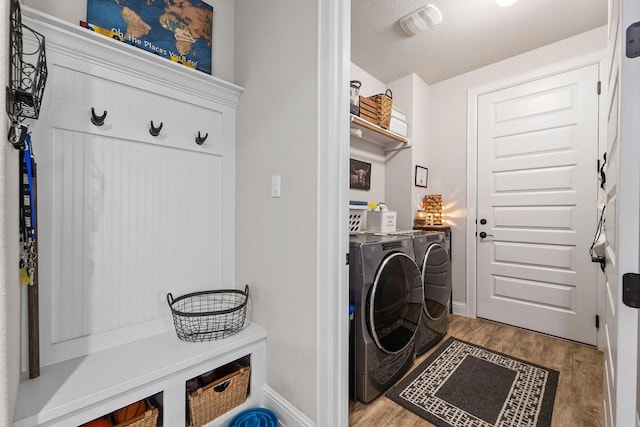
x: 463, y: 384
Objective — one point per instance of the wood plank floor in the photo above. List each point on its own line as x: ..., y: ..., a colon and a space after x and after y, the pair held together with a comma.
x: 578, y: 399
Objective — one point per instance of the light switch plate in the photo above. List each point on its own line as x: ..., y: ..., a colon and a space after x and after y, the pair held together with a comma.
x: 275, y: 185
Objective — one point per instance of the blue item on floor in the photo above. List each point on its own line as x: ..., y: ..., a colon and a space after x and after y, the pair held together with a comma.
x: 255, y: 417
x: 352, y: 309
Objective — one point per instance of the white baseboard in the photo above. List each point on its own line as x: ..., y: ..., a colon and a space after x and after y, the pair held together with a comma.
x: 460, y: 308
x: 288, y: 415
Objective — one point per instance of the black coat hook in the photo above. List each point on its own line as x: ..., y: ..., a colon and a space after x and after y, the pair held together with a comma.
x: 155, y: 131
x: 98, y: 120
x: 201, y: 139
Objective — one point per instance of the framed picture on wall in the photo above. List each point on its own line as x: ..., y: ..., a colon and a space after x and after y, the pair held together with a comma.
x: 360, y: 175
x: 422, y: 174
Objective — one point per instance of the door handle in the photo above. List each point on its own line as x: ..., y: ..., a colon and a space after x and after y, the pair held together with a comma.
x: 483, y: 235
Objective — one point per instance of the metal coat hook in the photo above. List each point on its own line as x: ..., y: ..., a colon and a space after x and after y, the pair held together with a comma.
x: 98, y: 120
x: 155, y: 131
x: 201, y: 139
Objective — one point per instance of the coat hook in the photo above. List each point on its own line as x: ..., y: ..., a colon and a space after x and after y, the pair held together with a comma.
x: 98, y: 120
x: 201, y: 139
x: 155, y: 131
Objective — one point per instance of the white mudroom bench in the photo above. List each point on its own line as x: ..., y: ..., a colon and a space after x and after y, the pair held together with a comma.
x: 125, y: 217
x: 76, y: 391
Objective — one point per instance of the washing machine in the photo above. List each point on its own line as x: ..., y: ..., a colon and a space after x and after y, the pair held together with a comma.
x: 433, y: 258
x: 385, y: 287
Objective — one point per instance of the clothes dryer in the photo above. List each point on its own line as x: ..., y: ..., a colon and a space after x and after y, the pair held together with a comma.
x: 434, y: 261
x: 385, y: 287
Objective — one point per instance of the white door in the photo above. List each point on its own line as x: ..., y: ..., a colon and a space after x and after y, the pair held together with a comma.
x: 622, y: 217
x: 537, y: 192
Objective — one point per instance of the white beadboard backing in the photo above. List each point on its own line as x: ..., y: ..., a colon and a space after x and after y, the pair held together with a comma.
x: 127, y: 221
x: 126, y: 217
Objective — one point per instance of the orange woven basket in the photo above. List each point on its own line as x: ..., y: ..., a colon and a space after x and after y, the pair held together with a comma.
x: 383, y: 102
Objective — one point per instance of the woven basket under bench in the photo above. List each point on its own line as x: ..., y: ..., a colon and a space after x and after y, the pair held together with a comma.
x: 148, y: 419
x: 222, y: 395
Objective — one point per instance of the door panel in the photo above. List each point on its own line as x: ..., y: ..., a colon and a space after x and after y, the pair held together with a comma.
x: 537, y: 147
x: 622, y: 228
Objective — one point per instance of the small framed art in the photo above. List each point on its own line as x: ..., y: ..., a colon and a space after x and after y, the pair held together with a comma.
x: 360, y: 173
x: 422, y: 175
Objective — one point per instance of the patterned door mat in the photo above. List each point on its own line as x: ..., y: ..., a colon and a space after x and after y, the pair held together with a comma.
x: 463, y: 384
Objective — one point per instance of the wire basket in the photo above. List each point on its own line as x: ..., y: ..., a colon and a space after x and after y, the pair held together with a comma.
x: 27, y: 70
x: 209, y: 315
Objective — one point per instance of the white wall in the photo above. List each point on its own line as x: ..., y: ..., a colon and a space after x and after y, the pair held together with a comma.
x: 9, y: 288
x: 276, y: 63
x: 447, y: 122
x: 366, y: 151
x: 411, y: 95
x: 75, y: 11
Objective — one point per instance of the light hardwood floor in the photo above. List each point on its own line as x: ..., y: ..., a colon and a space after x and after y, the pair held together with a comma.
x: 578, y: 399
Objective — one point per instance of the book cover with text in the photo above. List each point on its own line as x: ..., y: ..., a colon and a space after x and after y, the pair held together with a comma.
x: 179, y: 30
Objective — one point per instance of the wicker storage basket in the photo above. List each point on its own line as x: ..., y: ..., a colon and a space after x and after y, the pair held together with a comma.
x: 148, y: 419
x: 213, y: 400
x: 383, y: 102
x: 368, y: 110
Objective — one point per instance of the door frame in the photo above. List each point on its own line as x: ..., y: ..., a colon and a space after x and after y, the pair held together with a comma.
x: 596, y: 57
x: 332, y: 281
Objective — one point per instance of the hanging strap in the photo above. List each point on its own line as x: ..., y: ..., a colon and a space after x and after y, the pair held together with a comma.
x: 28, y: 159
x: 27, y: 205
x: 28, y: 254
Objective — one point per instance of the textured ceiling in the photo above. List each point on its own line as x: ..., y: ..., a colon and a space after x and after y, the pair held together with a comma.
x: 473, y: 33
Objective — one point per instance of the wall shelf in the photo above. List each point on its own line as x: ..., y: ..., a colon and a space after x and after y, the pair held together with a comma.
x: 377, y: 135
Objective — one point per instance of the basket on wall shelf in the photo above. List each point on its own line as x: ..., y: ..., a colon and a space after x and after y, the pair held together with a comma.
x: 384, y: 102
x: 209, y: 315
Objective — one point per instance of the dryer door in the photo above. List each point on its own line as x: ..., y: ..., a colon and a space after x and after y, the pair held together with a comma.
x: 394, y: 305
x: 436, y: 276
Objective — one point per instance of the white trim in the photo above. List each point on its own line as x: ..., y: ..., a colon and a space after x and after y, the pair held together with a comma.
x: 473, y: 94
x: 82, y: 44
x: 332, y: 316
x: 460, y: 308
x: 288, y: 415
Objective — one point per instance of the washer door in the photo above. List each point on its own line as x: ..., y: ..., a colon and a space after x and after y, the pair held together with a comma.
x: 395, y: 303
x: 436, y: 276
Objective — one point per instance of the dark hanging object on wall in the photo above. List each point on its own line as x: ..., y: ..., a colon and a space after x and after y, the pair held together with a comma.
x: 27, y: 69
x: 27, y: 76
x: 601, y: 170
x: 155, y: 131
x: 98, y: 120
x: 201, y: 139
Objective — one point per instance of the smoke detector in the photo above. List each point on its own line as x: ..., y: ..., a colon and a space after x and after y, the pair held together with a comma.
x: 419, y: 20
